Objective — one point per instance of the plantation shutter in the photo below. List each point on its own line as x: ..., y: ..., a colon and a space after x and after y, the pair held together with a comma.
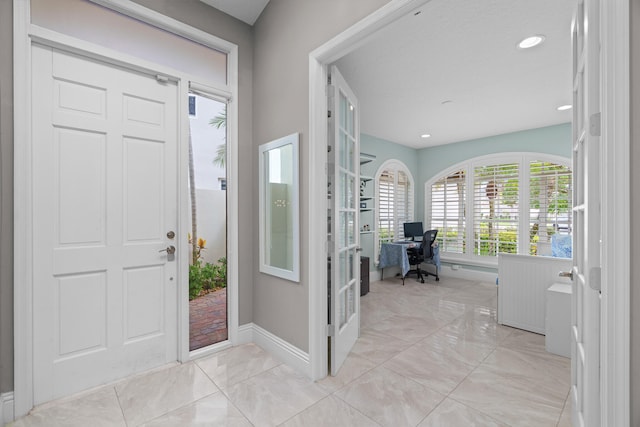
x: 395, y: 204
x: 495, y: 204
x: 404, y: 202
x: 385, y: 207
x: 550, y: 187
x: 448, y: 211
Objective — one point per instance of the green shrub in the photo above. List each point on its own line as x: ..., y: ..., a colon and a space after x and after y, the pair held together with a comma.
x: 207, y: 277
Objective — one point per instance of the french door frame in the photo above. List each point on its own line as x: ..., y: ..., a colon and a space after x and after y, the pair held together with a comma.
x: 25, y: 34
x: 615, y: 140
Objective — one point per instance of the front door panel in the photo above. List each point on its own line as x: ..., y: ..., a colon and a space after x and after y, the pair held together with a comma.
x: 104, y: 157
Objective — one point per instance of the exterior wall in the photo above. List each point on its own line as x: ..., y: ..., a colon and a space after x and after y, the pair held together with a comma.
x: 284, y: 35
x: 635, y: 211
x: 6, y: 197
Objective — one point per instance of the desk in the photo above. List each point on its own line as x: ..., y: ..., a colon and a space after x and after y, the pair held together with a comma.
x: 392, y: 254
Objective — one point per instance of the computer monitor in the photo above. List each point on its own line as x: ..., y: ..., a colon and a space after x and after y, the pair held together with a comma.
x: 413, y: 230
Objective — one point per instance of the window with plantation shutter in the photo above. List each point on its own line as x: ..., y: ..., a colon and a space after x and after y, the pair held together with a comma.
x: 394, y: 202
x: 496, y: 209
x: 517, y: 203
x: 448, y: 211
x: 550, y: 187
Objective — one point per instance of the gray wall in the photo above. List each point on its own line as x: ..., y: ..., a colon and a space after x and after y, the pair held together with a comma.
x: 6, y: 196
x: 284, y: 35
x: 635, y: 212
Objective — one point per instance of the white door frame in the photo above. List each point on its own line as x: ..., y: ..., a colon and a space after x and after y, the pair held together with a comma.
x: 24, y: 34
x: 615, y: 175
x: 615, y: 142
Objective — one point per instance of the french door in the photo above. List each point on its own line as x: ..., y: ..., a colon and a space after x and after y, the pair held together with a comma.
x: 105, y: 282
x: 586, y: 300
x: 344, y: 239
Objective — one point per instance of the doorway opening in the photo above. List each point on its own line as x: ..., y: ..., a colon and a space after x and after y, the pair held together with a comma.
x: 208, y: 322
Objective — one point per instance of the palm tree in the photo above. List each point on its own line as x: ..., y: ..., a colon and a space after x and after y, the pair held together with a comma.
x: 192, y: 193
x: 220, y: 121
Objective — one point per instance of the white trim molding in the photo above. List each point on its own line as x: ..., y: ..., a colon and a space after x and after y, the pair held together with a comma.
x: 615, y: 221
x: 276, y: 346
x: 6, y: 408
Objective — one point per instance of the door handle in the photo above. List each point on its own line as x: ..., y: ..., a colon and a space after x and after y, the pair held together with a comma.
x: 568, y: 274
x: 170, y: 250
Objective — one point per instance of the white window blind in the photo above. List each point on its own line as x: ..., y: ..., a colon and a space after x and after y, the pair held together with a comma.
x: 395, y: 203
x: 448, y: 211
x: 550, y: 187
x: 496, y: 209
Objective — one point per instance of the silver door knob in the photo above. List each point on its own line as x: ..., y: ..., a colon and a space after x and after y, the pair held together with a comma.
x: 170, y: 250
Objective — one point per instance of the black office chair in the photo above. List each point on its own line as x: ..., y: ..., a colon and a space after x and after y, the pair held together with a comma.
x: 419, y: 255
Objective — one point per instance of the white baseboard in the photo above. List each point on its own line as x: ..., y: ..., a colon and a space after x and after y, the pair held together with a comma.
x: 6, y: 408
x: 279, y: 348
x: 445, y: 271
x: 468, y: 274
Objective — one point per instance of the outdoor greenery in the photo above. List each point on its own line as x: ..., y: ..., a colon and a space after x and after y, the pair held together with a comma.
x: 206, y: 277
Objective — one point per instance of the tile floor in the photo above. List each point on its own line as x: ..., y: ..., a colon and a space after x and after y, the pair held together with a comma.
x: 429, y: 355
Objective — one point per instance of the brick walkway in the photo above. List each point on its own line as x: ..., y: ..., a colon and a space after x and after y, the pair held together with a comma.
x: 208, y: 319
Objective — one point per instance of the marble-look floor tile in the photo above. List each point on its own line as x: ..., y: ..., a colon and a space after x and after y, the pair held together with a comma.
x: 236, y: 364
x: 99, y: 409
x: 510, y: 399
x: 146, y: 397
x: 330, y: 412
x: 437, y: 366
x: 354, y: 366
x: 565, y: 416
x: 473, y: 328
x: 274, y: 396
x: 525, y: 341
x: 453, y: 414
x: 213, y: 410
x: 408, y: 328
x: 378, y: 347
x: 543, y: 373
x: 390, y: 399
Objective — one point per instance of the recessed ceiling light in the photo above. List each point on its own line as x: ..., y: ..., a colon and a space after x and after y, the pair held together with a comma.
x: 531, y: 41
x: 565, y: 107
x: 425, y: 135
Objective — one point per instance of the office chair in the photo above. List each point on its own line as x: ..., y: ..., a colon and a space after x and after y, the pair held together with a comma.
x: 418, y: 255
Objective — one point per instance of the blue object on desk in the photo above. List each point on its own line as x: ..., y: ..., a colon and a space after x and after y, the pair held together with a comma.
x: 392, y: 254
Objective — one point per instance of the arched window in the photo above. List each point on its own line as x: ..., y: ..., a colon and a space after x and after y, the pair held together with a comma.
x: 394, y: 201
x: 512, y: 203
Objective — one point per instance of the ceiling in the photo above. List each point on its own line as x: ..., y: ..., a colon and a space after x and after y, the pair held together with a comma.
x: 453, y: 70
x: 245, y: 10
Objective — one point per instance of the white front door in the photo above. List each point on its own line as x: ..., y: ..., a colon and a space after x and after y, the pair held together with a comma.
x: 104, y: 197
x: 344, y: 134
x: 585, y: 354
